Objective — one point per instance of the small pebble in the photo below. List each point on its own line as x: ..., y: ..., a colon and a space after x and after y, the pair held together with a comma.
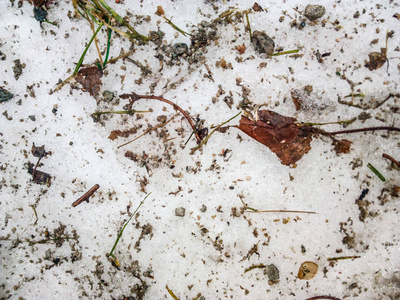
x: 108, y: 96
x: 180, y: 48
x: 314, y: 12
x: 180, y: 212
x: 203, y: 208
x: 273, y: 274
x: 262, y: 42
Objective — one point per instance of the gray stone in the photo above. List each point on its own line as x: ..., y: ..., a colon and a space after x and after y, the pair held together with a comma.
x: 314, y: 12
x: 180, y: 212
x: 180, y: 48
x: 262, y: 42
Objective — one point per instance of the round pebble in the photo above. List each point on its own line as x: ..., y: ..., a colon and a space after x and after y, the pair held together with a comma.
x: 314, y: 12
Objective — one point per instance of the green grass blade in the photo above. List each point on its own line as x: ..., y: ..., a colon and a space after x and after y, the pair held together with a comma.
x: 123, y: 228
x: 380, y: 176
x: 86, y: 49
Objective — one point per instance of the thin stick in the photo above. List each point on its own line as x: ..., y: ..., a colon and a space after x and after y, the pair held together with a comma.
x: 389, y: 128
x: 86, y: 196
x: 283, y: 211
x: 391, y: 158
x: 342, y: 258
x: 329, y: 123
x: 323, y: 297
x: 134, y: 97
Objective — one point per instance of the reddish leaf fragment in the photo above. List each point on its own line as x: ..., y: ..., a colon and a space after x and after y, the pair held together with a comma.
x: 241, y: 48
x: 160, y: 11
x: 124, y: 133
x: 90, y: 79
x: 376, y: 60
x: 279, y: 133
x: 39, y: 177
x: 341, y: 146
x: 39, y: 151
x: 257, y: 7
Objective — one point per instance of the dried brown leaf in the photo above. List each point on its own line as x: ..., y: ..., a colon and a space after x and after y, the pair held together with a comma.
x: 376, y: 60
x: 90, y: 79
x: 341, y: 146
x: 279, y: 133
x: 257, y: 7
x: 124, y: 133
x: 160, y: 11
x: 241, y: 48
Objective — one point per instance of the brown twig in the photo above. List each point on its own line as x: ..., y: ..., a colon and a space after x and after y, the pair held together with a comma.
x: 86, y: 196
x: 323, y: 297
x: 282, y: 211
x: 343, y: 257
x: 383, y: 102
x: 389, y: 128
x: 391, y: 159
x: 135, y: 97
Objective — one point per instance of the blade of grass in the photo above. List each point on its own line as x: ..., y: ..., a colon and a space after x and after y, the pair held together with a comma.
x: 109, y: 31
x: 205, y: 140
x: 176, y: 27
x: 123, y: 228
x: 286, y: 52
x: 171, y: 293
x: 86, y: 50
x: 380, y: 176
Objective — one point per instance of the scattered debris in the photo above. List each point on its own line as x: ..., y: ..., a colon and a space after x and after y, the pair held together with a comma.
x: 18, y: 67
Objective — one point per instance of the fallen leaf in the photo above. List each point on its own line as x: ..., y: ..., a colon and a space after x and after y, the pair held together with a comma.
x: 160, y: 11
x: 39, y: 151
x: 39, y: 177
x: 257, y: 7
x: 90, y: 79
x: 124, y: 133
x: 376, y: 60
x: 241, y: 48
x: 279, y: 133
x: 341, y: 146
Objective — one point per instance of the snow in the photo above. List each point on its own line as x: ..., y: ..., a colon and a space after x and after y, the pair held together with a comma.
x: 205, y: 253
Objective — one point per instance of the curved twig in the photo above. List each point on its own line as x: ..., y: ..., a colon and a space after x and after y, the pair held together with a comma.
x: 135, y: 97
x: 391, y: 159
x: 389, y: 128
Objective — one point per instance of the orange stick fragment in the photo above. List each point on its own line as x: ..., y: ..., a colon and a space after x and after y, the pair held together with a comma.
x: 86, y: 196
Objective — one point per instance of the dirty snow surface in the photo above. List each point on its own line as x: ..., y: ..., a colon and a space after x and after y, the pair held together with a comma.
x: 228, y: 220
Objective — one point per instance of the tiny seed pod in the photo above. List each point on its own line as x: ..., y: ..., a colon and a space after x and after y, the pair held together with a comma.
x: 307, y: 270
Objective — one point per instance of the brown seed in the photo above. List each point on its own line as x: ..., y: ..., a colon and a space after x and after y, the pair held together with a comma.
x: 307, y: 270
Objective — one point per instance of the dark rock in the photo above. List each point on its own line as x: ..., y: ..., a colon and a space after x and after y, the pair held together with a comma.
x: 263, y: 43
